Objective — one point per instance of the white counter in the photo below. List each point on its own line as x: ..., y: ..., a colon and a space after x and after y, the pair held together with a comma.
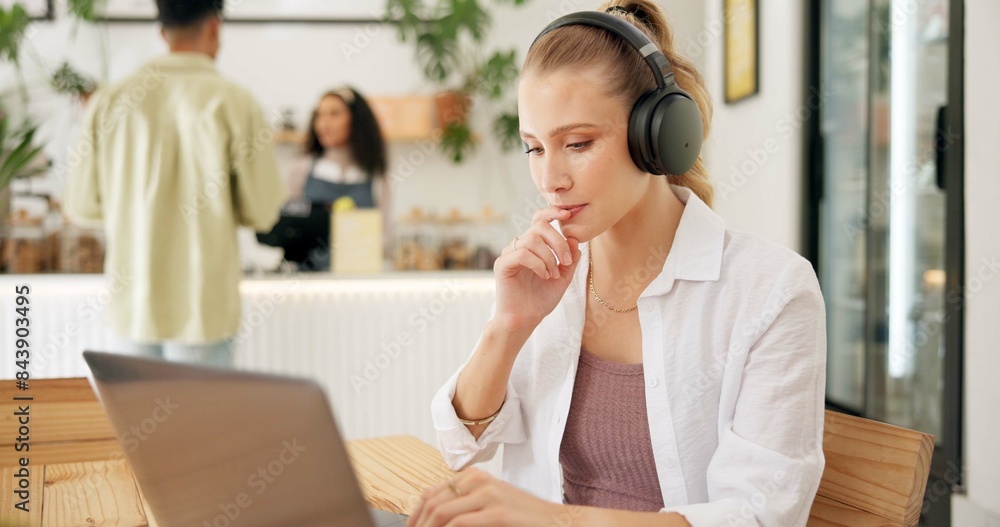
x: 380, y: 345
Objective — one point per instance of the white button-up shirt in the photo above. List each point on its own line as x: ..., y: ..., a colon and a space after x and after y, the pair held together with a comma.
x: 734, y: 354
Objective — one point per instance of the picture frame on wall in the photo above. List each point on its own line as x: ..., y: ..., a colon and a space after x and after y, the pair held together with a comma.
x: 261, y: 11
x: 36, y: 9
x: 741, y: 28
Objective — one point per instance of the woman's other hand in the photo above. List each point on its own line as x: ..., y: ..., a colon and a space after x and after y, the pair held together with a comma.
x: 475, y: 498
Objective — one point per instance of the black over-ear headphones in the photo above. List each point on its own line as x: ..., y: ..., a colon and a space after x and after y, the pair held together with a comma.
x: 665, y: 128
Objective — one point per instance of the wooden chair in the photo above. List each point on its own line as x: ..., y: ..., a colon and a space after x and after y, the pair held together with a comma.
x: 875, y: 473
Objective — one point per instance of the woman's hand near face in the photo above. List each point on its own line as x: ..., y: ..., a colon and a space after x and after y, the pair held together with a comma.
x: 530, y: 279
x: 529, y: 283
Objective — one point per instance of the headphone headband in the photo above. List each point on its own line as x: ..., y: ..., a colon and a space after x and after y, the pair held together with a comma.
x: 663, y: 72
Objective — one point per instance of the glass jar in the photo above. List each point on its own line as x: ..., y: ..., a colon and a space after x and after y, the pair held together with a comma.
x: 25, y: 247
x: 82, y: 250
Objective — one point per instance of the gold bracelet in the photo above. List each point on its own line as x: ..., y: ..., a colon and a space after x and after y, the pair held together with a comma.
x: 481, y: 421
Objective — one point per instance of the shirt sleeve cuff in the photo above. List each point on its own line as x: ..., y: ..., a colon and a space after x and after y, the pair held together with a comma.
x: 459, y: 448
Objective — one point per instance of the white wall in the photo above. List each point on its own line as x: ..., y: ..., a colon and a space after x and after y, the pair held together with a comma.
x: 981, y: 507
x: 755, y: 151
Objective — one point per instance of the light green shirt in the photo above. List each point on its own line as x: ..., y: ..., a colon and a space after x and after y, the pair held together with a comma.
x: 172, y: 160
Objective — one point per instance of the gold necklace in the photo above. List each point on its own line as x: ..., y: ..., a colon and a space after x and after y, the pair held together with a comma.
x: 590, y: 278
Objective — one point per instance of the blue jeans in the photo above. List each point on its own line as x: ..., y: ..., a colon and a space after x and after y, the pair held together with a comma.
x: 218, y: 354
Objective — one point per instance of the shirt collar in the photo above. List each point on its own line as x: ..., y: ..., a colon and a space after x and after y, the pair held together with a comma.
x: 699, y: 239
x: 696, y: 252
x: 184, y: 60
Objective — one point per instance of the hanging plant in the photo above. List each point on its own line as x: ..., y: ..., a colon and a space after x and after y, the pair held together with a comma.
x: 69, y: 81
x: 448, y: 39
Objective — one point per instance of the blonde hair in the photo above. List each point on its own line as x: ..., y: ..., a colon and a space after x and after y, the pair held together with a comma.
x: 629, y: 77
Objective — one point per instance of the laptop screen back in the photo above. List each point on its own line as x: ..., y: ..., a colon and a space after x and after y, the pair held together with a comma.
x: 219, y: 448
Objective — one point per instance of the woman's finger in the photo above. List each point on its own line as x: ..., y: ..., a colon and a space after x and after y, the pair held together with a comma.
x: 555, y: 241
x: 480, y: 518
x: 539, y: 246
x: 510, y: 263
x: 550, y: 214
x: 446, y: 512
x: 429, y: 494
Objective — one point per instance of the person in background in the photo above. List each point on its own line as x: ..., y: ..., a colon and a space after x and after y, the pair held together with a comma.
x: 646, y: 365
x: 173, y: 159
x: 345, y: 156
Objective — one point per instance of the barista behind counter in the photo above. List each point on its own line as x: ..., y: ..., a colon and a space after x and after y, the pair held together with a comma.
x: 344, y: 157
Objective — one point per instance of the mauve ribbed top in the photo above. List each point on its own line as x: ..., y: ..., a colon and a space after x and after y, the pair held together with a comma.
x: 606, y: 453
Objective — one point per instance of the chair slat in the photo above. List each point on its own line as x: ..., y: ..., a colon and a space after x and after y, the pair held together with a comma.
x: 875, y: 467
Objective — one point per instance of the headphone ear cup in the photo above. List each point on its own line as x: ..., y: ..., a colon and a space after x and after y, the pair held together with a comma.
x: 675, y: 129
x: 639, y: 144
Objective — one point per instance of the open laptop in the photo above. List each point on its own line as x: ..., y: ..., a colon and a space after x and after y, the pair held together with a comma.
x: 212, y: 447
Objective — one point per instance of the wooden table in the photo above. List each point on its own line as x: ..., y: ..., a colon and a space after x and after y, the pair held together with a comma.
x: 79, y: 476
x: 875, y: 473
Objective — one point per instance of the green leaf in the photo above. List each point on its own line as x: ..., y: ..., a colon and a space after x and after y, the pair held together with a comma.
x: 496, y: 74
x: 470, y: 16
x: 436, y: 56
x: 13, y: 161
x: 68, y: 80
x: 408, y: 15
x: 456, y: 141
x: 82, y: 9
x: 507, y: 127
x: 13, y: 24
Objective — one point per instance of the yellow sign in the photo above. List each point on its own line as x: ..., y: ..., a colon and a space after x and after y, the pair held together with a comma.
x: 357, y: 241
x: 740, y: 18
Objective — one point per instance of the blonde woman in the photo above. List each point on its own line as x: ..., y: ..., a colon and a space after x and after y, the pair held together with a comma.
x: 645, y: 364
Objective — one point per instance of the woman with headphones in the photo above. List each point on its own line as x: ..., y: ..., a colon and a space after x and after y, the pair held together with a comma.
x: 644, y: 364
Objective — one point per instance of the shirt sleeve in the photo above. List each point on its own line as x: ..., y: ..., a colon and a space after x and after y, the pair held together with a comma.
x: 459, y: 448
x: 258, y: 192
x: 767, y: 467
x: 82, y: 199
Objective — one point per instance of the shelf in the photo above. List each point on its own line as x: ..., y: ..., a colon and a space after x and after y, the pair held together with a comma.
x: 402, y: 118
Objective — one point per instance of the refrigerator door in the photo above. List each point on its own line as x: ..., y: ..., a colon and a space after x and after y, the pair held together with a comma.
x: 844, y: 65
x: 906, y: 214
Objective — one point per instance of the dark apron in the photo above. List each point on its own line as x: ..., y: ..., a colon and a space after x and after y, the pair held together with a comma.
x: 322, y: 194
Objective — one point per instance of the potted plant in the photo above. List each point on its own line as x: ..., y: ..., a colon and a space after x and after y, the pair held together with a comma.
x: 19, y: 157
x: 68, y: 80
x: 449, y: 48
